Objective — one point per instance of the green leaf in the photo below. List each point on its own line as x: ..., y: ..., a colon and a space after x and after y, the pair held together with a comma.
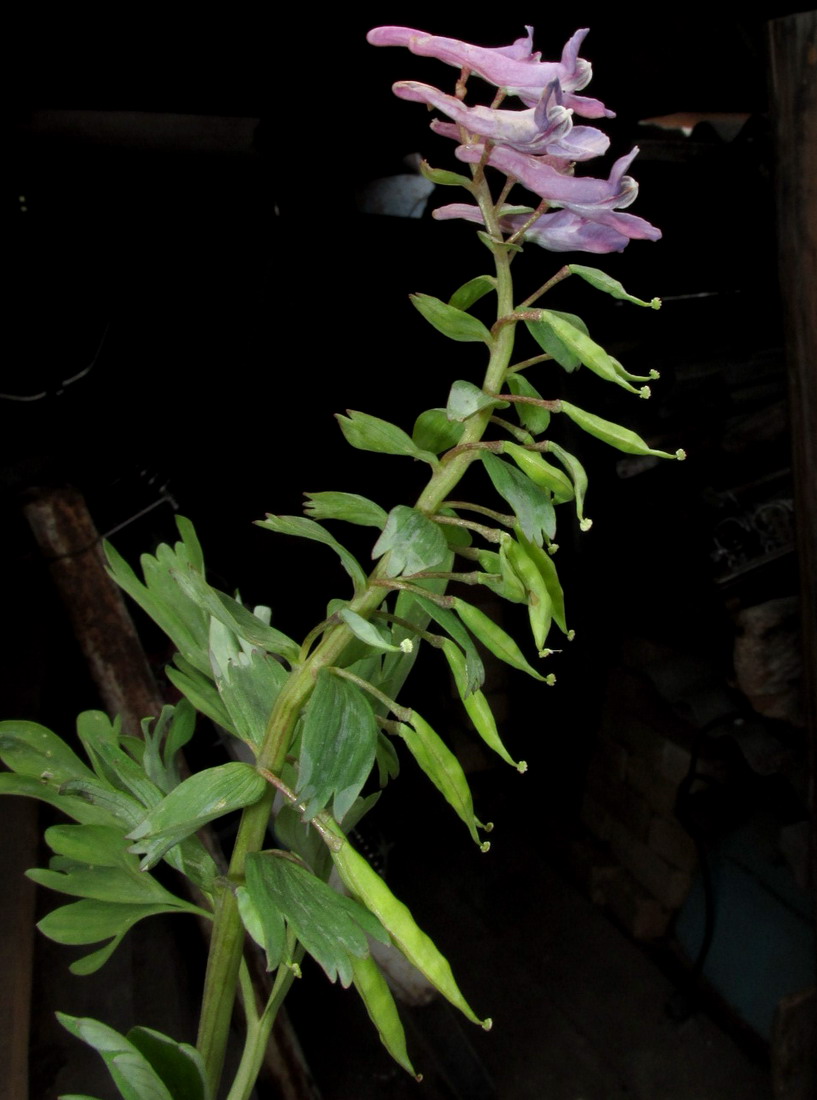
x: 376, y: 996
x: 100, y: 845
x: 549, y: 341
x: 472, y: 291
x: 132, y: 1073
x: 179, y: 1065
x: 71, y: 805
x: 234, y: 615
x: 337, y: 745
x: 203, y: 797
x: 413, y: 541
x: 602, y: 281
x: 465, y: 399
x: 248, y: 683
x: 107, y: 884
x: 201, y: 691
x: 368, y: 633
x: 533, y: 417
x: 32, y: 750
x: 331, y: 927
x: 531, y: 505
x: 454, y: 323
x: 433, y: 431
x: 90, y: 920
x: 346, y: 506
x: 100, y: 738
x: 370, y: 433
x: 475, y: 670
x: 443, y: 178
x: 442, y: 767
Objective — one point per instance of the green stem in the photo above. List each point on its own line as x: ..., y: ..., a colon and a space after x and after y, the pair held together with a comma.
x: 226, y: 946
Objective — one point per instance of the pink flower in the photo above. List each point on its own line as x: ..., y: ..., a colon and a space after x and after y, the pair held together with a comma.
x: 515, y: 68
x: 565, y: 230
x: 546, y: 128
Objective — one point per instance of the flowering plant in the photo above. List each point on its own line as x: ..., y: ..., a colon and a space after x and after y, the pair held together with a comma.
x: 319, y: 718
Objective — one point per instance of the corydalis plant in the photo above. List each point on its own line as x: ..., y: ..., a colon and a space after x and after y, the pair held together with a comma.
x: 320, y: 717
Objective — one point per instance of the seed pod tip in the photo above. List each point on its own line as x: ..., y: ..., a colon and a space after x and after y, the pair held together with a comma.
x: 522, y: 767
x: 485, y: 846
x: 487, y: 1023
x: 645, y: 392
x: 585, y: 524
x: 680, y: 454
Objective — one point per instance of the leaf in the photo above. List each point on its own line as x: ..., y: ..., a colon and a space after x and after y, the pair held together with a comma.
x: 465, y: 399
x: 413, y: 541
x: 107, y: 884
x: 475, y: 670
x: 331, y: 927
x: 233, y: 614
x: 376, y: 996
x: 442, y: 767
x: 433, y: 431
x: 549, y: 341
x: 248, y: 683
x: 346, y: 506
x: 203, y: 797
x: 370, y: 433
x: 201, y: 691
x: 451, y: 322
x: 367, y: 632
x: 100, y: 738
x: 602, y: 281
x: 90, y: 920
x: 71, y: 805
x: 32, y: 750
x: 533, y: 417
x: 337, y: 745
x: 443, y: 178
x: 132, y: 1073
x: 531, y: 505
x: 179, y: 1065
x: 100, y: 845
x: 469, y: 293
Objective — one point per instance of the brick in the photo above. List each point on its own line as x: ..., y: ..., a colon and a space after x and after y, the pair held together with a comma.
x: 595, y: 818
x: 619, y: 799
x: 667, y: 884
x: 659, y: 793
x: 639, y: 913
x: 673, y: 843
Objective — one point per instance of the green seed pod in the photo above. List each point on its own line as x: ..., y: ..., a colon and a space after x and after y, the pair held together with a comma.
x: 547, y: 568
x: 579, y: 478
x: 493, y: 637
x: 368, y: 887
x: 510, y: 587
x: 477, y: 707
x: 540, y: 606
x: 589, y: 352
x: 376, y: 996
x: 621, y: 438
x: 442, y: 768
x: 540, y: 472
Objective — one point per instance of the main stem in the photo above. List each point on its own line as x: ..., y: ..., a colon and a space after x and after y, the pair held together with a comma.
x: 228, y: 934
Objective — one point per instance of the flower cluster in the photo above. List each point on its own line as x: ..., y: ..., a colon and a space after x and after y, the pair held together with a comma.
x: 538, y: 146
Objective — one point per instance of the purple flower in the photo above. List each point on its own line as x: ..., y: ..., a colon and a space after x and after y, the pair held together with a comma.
x: 564, y: 230
x: 561, y: 188
x: 515, y: 68
x: 546, y: 128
